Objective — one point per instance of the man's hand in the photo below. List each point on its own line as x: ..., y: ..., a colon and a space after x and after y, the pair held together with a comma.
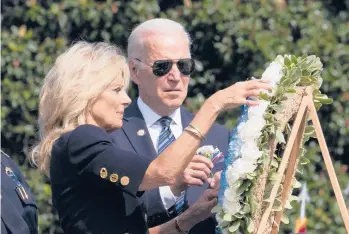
x: 197, y: 172
x: 199, y: 211
x: 214, y: 182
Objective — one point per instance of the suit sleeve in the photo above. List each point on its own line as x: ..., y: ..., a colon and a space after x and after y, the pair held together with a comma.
x: 93, y: 154
x: 156, y: 211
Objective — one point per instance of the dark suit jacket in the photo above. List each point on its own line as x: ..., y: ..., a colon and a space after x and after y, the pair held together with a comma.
x: 128, y: 139
x: 95, y: 184
x: 19, y: 214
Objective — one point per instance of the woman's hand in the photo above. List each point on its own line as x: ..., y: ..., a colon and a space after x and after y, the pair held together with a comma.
x: 238, y: 93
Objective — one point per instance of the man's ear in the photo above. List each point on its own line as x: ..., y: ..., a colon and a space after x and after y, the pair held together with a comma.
x: 134, y: 70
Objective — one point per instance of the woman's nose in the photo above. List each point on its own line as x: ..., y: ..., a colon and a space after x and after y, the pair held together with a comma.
x: 126, y: 100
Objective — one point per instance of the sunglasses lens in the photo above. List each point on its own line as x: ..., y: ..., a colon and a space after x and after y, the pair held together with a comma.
x: 162, y: 67
x: 186, y: 66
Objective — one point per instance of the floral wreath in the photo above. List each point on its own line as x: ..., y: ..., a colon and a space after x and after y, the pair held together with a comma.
x: 248, y: 155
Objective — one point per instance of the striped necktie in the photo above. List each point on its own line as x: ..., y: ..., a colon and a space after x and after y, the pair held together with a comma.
x: 166, y: 137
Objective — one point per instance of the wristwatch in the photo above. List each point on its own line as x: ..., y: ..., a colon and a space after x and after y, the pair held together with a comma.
x: 178, y: 229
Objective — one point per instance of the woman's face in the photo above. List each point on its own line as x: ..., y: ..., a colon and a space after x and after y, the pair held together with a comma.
x: 107, y: 110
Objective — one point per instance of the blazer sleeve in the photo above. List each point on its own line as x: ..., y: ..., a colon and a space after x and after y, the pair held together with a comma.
x: 93, y: 154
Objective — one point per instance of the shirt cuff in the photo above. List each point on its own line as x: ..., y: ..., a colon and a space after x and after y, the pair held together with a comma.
x: 167, y: 197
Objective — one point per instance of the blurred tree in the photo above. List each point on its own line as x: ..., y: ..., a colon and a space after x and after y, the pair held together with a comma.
x: 232, y: 40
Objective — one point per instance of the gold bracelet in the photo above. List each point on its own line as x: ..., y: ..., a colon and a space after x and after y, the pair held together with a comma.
x: 178, y: 229
x: 198, y: 131
x: 195, y: 131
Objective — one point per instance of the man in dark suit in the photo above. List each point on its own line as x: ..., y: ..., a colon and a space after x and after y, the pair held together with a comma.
x: 160, y: 65
x: 19, y: 214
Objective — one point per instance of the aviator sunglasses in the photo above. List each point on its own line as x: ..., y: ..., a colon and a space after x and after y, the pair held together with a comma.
x: 162, y: 67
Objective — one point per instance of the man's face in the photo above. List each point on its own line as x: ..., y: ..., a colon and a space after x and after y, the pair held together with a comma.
x: 166, y: 93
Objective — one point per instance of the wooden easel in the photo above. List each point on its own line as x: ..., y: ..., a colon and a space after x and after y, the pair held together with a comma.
x: 289, y: 161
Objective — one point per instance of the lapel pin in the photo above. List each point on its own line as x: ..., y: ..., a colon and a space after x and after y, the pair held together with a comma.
x: 141, y: 132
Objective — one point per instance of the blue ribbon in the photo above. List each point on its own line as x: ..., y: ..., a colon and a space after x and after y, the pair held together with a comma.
x: 235, y: 144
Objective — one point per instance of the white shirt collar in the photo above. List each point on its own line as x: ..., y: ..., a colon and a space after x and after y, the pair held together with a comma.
x: 150, y: 117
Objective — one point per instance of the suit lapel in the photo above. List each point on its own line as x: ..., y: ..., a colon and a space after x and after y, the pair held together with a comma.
x: 133, y: 123
x: 186, y: 116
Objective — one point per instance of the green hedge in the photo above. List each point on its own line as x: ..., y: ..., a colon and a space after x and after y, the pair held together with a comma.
x: 232, y: 40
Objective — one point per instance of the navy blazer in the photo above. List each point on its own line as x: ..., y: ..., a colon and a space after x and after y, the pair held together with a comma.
x: 95, y: 184
x: 129, y: 139
x: 19, y: 213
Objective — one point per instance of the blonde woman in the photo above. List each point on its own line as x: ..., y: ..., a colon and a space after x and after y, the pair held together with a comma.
x: 95, y: 185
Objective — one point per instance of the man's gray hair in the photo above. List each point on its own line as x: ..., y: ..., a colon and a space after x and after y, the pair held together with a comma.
x: 152, y: 27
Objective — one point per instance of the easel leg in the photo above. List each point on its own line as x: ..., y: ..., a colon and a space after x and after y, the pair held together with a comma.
x: 289, y: 174
x: 300, y: 115
x: 329, y: 165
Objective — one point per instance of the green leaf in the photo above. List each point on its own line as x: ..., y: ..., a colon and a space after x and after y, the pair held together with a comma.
x: 317, y: 105
x: 305, y: 73
x: 286, y: 82
x: 264, y: 96
x: 235, y: 226
x: 245, y: 185
x: 227, y: 217
x: 238, y: 215
x: 323, y: 99
x: 268, y: 116
x: 294, y: 59
x: 247, y: 208
x: 223, y: 224
x: 291, y: 90
x: 249, y: 176
x: 288, y: 205
x: 274, y: 176
x: 279, y: 136
x: 250, y: 225
x: 237, y: 184
x: 309, y: 130
x: 285, y: 219
x: 12, y: 46
x: 304, y: 161
x: 274, y: 163
x: 62, y: 20
x: 295, y: 74
x: 253, y: 205
x: 277, y: 206
x: 287, y: 62
x: 216, y: 209
x: 316, y: 92
x: 296, y: 183
x: 326, y: 101
x: 292, y: 198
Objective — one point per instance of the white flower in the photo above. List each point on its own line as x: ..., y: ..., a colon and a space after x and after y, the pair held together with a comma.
x: 250, y: 150
x: 252, y: 128
x: 231, y: 203
x: 258, y: 110
x: 231, y: 175
x: 244, y: 166
x: 206, y: 151
x: 273, y: 73
x: 241, y: 128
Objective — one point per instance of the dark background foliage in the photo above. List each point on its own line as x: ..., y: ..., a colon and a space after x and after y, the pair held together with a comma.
x: 232, y: 40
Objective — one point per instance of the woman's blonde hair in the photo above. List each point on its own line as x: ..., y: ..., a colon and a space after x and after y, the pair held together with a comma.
x: 77, y: 78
